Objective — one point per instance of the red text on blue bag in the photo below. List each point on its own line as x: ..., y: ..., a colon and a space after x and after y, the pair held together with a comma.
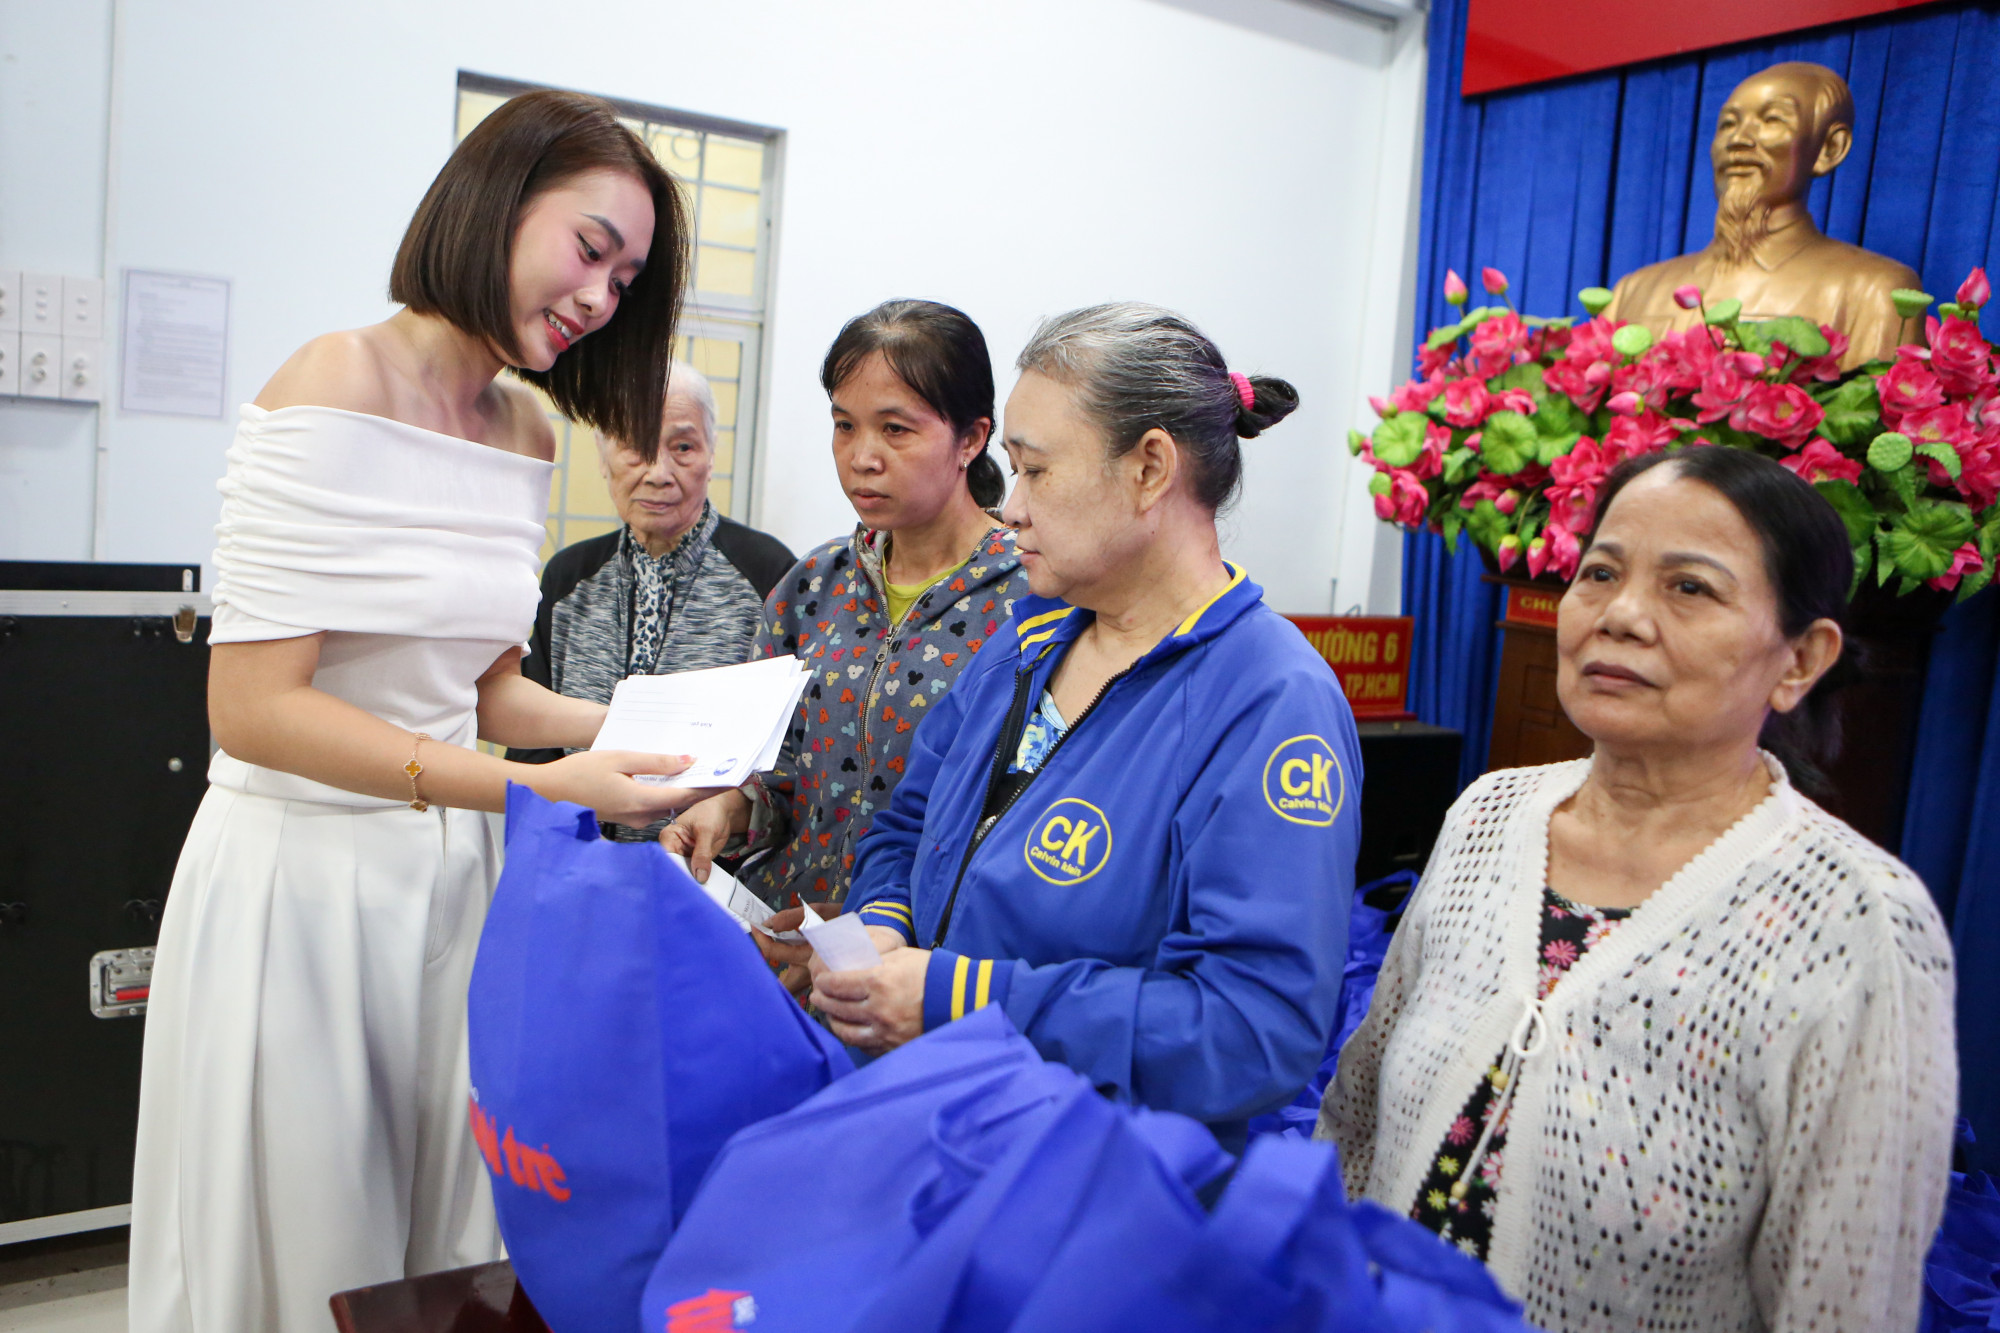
x: 511, y: 1160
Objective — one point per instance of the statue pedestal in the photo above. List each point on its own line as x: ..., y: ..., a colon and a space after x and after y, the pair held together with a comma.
x: 1890, y: 638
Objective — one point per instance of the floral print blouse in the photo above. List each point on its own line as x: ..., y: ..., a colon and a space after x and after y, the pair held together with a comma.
x: 1568, y: 932
x: 872, y: 682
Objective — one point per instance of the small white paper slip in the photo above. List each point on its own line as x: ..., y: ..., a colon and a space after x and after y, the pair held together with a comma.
x: 842, y: 942
x: 728, y: 893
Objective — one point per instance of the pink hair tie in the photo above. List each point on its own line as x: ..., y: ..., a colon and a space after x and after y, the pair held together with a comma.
x: 1244, y: 393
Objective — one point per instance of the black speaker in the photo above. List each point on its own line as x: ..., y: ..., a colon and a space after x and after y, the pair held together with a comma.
x: 1409, y: 780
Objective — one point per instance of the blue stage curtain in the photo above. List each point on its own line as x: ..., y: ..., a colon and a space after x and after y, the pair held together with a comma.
x: 1573, y: 184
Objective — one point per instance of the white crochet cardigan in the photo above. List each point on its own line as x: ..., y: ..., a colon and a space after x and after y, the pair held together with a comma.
x: 1741, y: 1117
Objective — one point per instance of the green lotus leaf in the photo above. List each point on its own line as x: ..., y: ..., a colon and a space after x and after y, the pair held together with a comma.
x: 1725, y: 312
x: 1379, y: 484
x: 1943, y: 455
x: 1921, y: 542
x: 1443, y: 337
x: 1855, y: 511
x: 1460, y: 465
x: 1356, y: 442
x: 1400, y: 439
x: 1799, y: 334
x: 1853, y: 411
x: 1509, y: 443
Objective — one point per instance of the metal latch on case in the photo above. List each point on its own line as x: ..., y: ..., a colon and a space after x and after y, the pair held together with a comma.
x: 121, y: 981
x: 184, y: 624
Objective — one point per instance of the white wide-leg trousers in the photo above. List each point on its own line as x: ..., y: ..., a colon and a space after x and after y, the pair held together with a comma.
x: 302, y: 1110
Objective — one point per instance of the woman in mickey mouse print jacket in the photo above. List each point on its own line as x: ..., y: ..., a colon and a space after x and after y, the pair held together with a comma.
x: 887, y: 616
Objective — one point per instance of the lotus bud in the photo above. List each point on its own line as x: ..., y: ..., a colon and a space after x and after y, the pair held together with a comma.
x: 1507, y: 502
x: 1510, y: 551
x: 1454, y: 287
x: 1687, y: 297
x: 1975, y: 291
x: 1626, y: 404
x: 1494, y: 281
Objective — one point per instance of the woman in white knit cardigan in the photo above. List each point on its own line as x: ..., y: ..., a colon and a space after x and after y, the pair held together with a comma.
x: 1659, y: 1038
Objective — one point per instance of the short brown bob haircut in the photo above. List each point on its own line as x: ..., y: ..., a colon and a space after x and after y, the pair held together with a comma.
x: 455, y: 258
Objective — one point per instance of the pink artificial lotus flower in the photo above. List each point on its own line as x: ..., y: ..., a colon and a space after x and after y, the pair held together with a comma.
x: 1573, y: 482
x: 1432, y: 362
x: 1687, y: 297
x: 1510, y: 551
x: 1820, y: 461
x: 1975, y: 291
x: 1784, y: 413
x: 1965, y: 560
x: 1410, y: 396
x: 1430, y: 462
x: 1945, y: 424
x: 1405, y: 501
x: 1565, y: 553
x: 1466, y: 403
x: 1494, y: 281
x: 1626, y: 404
x: 1961, y: 358
x: 1630, y: 437
x: 1722, y: 390
x: 1979, y: 469
x: 1584, y: 373
x: 1498, y: 343
x: 1822, y: 369
x: 1515, y: 400
x: 1679, y: 361
x: 1642, y: 377
x: 1454, y: 287
x: 1908, y: 386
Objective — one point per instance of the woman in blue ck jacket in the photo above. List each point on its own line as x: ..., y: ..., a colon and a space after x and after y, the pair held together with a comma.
x: 1132, y: 822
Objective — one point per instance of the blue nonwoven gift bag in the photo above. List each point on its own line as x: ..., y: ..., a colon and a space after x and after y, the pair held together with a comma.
x: 1284, y: 1252
x: 621, y: 1029
x: 936, y: 1187
x: 1368, y: 935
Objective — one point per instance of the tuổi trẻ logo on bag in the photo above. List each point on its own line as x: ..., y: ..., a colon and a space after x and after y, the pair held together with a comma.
x: 510, y: 1159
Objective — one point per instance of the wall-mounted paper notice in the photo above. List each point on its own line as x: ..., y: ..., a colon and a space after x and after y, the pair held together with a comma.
x: 176, y: 343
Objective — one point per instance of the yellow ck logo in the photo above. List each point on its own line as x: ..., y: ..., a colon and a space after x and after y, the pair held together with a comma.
x: 1069, y: 843
x: 1304, y: 782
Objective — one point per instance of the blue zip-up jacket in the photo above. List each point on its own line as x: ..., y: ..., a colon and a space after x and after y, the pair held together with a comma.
x: 1164, y: 907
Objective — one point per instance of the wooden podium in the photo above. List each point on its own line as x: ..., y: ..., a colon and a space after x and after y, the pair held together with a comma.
x: 482, y: 1299
x: 1529, y: 725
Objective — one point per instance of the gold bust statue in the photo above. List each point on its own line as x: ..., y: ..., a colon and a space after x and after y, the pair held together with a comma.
x: 1779, y: 130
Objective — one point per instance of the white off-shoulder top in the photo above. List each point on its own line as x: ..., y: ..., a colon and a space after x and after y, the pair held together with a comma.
x: 414, y: 552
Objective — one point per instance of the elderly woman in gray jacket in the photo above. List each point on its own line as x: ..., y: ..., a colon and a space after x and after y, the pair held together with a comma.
x: 1661, y: 1040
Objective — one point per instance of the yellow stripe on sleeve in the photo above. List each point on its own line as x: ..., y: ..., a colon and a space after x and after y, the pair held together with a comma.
x: 896, y: 910
x: 979, y: 993
x: 958, y: 972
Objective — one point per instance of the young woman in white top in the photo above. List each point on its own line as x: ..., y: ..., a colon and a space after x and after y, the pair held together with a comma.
x: 302, y: 1123
x: 1664, y: 1042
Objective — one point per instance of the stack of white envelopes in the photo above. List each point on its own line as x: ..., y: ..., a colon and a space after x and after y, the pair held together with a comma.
x: 731, y: 719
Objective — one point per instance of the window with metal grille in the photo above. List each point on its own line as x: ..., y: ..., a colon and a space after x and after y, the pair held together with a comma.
x: 728, y: 171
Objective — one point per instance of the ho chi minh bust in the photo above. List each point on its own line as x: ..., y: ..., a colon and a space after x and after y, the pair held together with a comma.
x: 1778, y: 131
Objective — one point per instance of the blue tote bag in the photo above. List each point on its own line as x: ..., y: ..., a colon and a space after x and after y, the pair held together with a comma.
x: 1283, y: 1252
x: 932, y: 1190
x: 621, y: 1029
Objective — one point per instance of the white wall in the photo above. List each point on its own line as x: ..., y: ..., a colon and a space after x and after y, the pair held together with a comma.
x: 1248, y: 162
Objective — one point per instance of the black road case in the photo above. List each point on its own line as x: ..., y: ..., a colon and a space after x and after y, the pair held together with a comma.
x: 103, y: 676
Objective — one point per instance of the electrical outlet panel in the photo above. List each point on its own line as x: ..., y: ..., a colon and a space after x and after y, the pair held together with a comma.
x: 41, y: 303
x: 41, y: 366
x: 51, y: 336
x: 82, y: 366
x: 82, y: 308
